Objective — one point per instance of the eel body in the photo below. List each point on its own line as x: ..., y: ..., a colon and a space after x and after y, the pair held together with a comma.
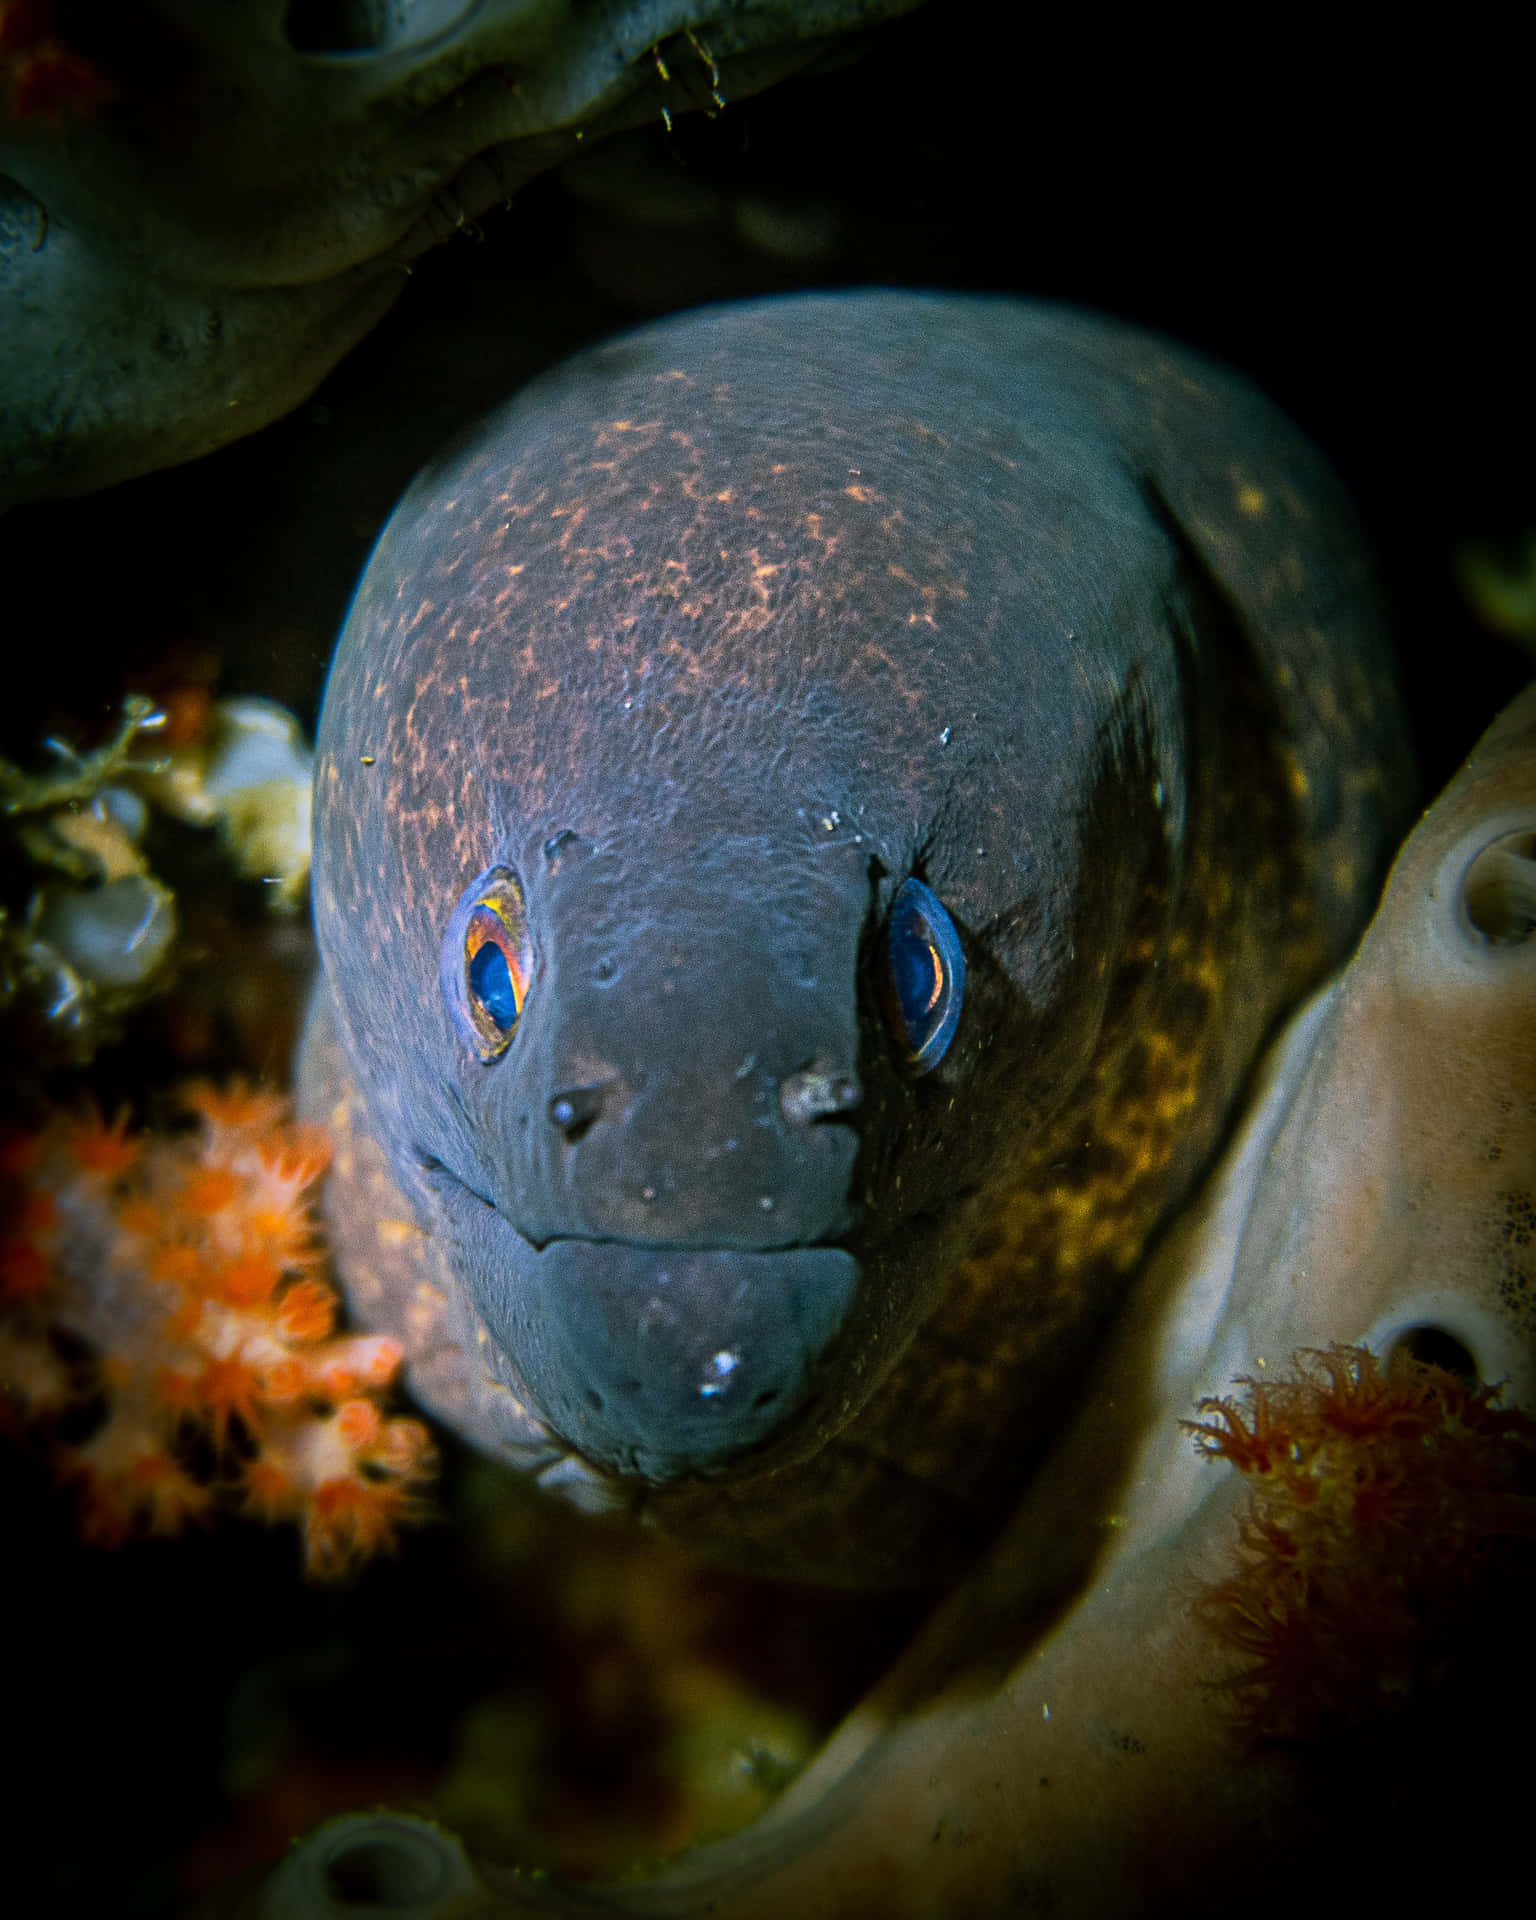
x: 818, y: 806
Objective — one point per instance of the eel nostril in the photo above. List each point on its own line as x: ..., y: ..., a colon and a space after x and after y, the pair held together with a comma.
x: 818, y: 1092
x: 575, y: 1109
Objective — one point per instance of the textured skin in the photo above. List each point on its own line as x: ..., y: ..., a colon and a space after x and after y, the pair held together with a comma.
x: 715, y: 635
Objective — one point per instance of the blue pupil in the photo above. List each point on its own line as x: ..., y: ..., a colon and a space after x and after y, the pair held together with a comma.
x: 490, y: 981
x: 927, y: 968
x: 915, y: 969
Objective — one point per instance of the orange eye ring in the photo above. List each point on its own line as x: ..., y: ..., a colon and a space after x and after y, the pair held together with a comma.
x: 487, y: 962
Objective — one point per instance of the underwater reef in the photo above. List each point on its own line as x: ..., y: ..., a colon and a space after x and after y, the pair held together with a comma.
x: 565, y: 1702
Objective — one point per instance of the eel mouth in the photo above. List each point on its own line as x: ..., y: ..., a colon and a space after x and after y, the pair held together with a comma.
x: 652, y: 1361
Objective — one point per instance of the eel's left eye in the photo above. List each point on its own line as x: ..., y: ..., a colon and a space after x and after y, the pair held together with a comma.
x: 487, y: 961
x: 927, y: 975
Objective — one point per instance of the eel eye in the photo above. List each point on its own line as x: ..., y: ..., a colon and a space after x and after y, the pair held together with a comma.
x: 487, y: 961
x: 927, y: 975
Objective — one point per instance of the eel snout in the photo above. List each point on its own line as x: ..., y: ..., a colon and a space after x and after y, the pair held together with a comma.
x: 664, y: 1162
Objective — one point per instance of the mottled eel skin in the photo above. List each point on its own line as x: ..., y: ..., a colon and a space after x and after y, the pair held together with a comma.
x: 665, y: 681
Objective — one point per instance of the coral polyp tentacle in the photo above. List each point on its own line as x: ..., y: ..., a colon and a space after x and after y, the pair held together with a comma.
x: 185, y: 1267
x: 1384, y: 1504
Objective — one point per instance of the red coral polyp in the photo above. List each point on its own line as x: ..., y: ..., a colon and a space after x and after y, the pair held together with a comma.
x: 307, y: 1310
x: 1388, y: 1510
x: 185, y: 1266
x: 236, y: 1107
x: 210, y: 1190
x: 247, y: 1282
x: 152, y: 1493
x: 97, y: 1148
x: 348, y: 1479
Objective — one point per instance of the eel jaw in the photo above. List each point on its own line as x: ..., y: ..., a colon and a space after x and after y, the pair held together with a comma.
x: 651, y: 1362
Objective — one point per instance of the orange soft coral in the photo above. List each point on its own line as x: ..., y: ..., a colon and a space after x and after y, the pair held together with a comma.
x: 185, y: 1269
x: 1388, y: 1509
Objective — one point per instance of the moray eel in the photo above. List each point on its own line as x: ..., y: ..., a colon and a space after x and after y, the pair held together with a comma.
x: 818, y: 805
x: 1051, y: 1746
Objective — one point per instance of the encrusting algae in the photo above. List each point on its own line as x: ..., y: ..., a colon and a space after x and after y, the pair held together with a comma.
x: 175, y: 1282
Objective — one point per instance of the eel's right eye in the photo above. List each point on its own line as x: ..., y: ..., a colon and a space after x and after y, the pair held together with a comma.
x: 925, y: 984
x: 487, y: 961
